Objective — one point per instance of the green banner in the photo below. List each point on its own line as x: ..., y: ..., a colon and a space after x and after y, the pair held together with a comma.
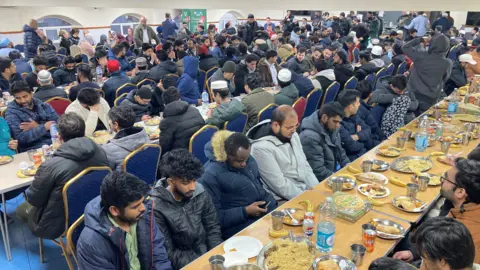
x: 193, y: 17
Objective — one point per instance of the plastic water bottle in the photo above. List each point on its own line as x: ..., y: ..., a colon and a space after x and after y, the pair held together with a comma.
x: 205, y: 99
x: 326, y: 226
x: 99, y: 73
x: 54, y: 135
x: 453, y: 103
x: 421, y: 139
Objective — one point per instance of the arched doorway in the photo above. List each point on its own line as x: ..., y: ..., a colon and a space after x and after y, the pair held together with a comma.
x: 52, y: 24
x: 229, y: 16
x: 123, y: 22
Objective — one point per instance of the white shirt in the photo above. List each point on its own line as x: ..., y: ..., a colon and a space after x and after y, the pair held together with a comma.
x: 273, y: 71
x: 146, y: 39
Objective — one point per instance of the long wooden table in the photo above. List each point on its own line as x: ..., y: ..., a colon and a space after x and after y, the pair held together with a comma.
x: 349, y: 233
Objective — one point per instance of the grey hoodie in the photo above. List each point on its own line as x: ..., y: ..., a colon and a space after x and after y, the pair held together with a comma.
x: 430, y: 71
x: 125, y: 142
x: 378, y: 62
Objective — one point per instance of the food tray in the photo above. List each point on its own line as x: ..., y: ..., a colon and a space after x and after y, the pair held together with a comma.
x: 395, y: 164
x: 350, y: 214
x: 345, y: 180
x: 379, y: 178
x: 261, y: 255
x: 416, y: 210
x: 388, y: 222
x: 414, y: 179
x: 7, y: 159
x: 396, y: 154
x: 292, y: 211
x: 383, y: 165
x: 387, y: 192
x: 349, y: 265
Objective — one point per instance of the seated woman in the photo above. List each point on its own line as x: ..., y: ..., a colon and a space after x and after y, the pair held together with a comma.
x: 7, y: 144
x: 232, y: 179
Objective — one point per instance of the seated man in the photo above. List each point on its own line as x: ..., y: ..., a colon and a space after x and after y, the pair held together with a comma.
x: 386, y: 92
x: 227, y: 109
x: 366, y: 66
x: 47, y: 89
x: 226, y: 74
x: 43, y: 209
x: 141, y: 67
x: 256, y: 98
x: 163, y: 68
x: 321, y: 141
x: 39, y: 64
x: 29, y: 118
x: 67, y: 74
x: 187, y: 84
x: 20, y: 62
x: 247, y: 66
x: 8, y: 74
x: 342, y: 68
x: 377, y: 60
x: 355, y: 134
x: 127, y: 138
x: 324, y: 74
x: 233, y: 181
x: 387, y: 263
x: 84, y: 78
x: 92, y: 108
x: 278, y: 151
x: 269, y: 69
x: 364, y: 112
x: 119, y: 228
x: 180, y: 121
x: 289, y: 92
x: 118, y: 53
x: 116, y: 80
x: 298, y: 64
x: 139, y: 101
x: 196, y: 231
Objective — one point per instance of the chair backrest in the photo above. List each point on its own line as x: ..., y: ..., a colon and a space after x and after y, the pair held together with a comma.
x: 73, y: 233
x: 20, y: 48
x: 208, y: 86
x: 377, y: 113
x: 202, y: 77
x: 61, y: 57
x: 198, y: 141
x: 238, y: 124
x: 299, y: 106
x: 59, y: 104
x: 266, y: 113
x: 313, y: 99
x: 390, y: 69
x: 351, y: 83
x: 80, y: 190
x: 62, y: 51
x: 101, y: 93
x: 146, y: 81
x: 402, y: 68
x: 132, y: 62
x: 331, y: 93
x: 370, y: 78
x: 74, y: 50
x: 119, y: 100
x: 84, y: 58
x: 51, y: 69
x: 126, y: 88
x: 211, y: 71
x: 143, y: 162
x: 380, y: 74
x: 356, y: 55
x: 452, y: 54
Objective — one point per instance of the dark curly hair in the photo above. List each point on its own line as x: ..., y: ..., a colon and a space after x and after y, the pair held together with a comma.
x: 468, y: 178
x: 120, y: 189
x: 181, y: 164
x: 234, y: 142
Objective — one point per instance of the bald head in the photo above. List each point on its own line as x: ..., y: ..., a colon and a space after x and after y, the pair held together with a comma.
x: 284, y: 122
x: 143, y: 20
x: 283, y: 112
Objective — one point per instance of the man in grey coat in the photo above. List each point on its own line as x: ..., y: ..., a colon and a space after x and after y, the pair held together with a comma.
x: 127, y: 139
x: 278, y: 151
x: 321, y: 141
x: 144, y: 34
x: 226, y: 74
x: 430, y: 71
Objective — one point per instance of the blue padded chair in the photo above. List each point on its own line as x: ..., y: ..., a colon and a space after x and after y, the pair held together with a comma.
x: 377, y: 113
x: 84, y: 58
x: 126, y: 88
x: 382, y: 73
x: 356, y: 55
x: 313, y: 100
x: 330, y: 93
x: 20, y: 48
x: 174, y: 76
x: 238, y: 124
x: 266, y: 113
x: 210, y: 72
x: 73, y: 234
x: 62, y: 51
x: 198, y: 141
x: 143, y: 162
x: 146, y: 82
x: 452, y: 54
x: 351, y: 83
x: 370, y: 78
x: 402, y: 68
x: 119, y: 100
x: 208, y: 84
x: 202, y: 77
x: 390, y: 69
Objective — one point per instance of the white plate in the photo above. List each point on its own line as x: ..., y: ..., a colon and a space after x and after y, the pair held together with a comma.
x: 246, y: 245
x: 234, y: 258
x: 376, y: 196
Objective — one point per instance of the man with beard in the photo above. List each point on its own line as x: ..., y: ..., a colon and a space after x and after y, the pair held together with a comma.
x: 343, y: 69
x: 119, y: 228
x: 29, y: 118
x: 461, y: 192
x: 251, y: 28
x: 278, y: 151
x: 196, y: 231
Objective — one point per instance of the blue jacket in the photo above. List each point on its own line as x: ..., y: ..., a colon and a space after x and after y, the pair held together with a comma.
x: 22, y: 66
x: 36, y: 137
x: 117, y: 79
x: 355, y: 149
x: 101, y: 245
x: 364, y: 112
x: 31, y: 41
x: 123, y: 61
x: 444, y: 23
x: 232, y: 190
x: 168, y: 28
x: 217, y: 52
x: 5, y: 84
x: 4, y: 139
x: 420, y: 23
x: 187, y: 84
x: 303, y: 84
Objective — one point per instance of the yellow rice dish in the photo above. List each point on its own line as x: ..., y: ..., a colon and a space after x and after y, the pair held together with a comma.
x: 286, y: 255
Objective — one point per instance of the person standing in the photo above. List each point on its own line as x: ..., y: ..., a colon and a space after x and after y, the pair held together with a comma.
x: 169, y: 26
x: 251, y: 28
x: 144, y: 34
x: 420, y: 23
x: 32, y: 38
x: 443, y: 22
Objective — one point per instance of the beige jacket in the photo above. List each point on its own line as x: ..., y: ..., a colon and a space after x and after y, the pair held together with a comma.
x: 91, y: 118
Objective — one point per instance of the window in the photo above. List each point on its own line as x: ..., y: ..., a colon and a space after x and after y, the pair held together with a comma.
x: 122, y: 23
x: 473, y: 18
x: 225, y: 18
x: 52, y: 25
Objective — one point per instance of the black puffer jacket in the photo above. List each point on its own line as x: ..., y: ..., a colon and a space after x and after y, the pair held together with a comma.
x: 161, y: 70
x: 208, y: 62
x: 47, y: 92
x: 364, y: 70
x: 190, y: 227
x: 139, y: 109
x: 63, y: 76
x: 179, y: 123
x: 47, y: 217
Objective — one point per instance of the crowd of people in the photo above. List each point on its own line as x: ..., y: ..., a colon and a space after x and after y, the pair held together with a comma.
x: 247, y: 173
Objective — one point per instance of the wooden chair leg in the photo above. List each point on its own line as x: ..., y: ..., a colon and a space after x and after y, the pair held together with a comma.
x: 40, y: 245
x: 66, y: 254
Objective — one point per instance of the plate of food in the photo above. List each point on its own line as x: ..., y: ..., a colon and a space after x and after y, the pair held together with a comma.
x: 373, y: 190
x: 434, y: 179
x: 234, y: 258
x: 388, y: 151
x: 155, y: 121
x: 388, y: 229
x: 415, y: 164
x: 100, y: 133
x: 348, y: 183
x: 380, y: 165
x: 372, y: 177
x: 408, y: 204
x: 246, y: 245
x: 297, y: 213
x: 333, y: 262
x: 467, y: 118
x: 5, y: 159
x: 283, y: 253
x: 446, y: 119
x: 30, y: 171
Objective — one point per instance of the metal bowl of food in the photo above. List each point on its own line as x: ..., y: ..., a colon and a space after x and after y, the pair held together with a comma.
x: 408, y: 204
x: 388, y: 229
x: 247, y: 266
x: 434, y: 179
x: 348, y: 183
x: 306, y: 254
x: 406, y: 164
x: 329, y: 261
x: 380, y: 165
x: 297, y: 213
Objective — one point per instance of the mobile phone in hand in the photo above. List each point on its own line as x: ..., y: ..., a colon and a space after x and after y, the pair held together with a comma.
x: 265, y: 206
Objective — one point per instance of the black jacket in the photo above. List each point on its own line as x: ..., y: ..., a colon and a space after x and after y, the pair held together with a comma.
x: 139, y: 109
x: 161, y: 70
x: 31, y: 80
x: 343, y: 73
x: 207, y: 62
x: 364, y: 70
x: 249, y: 32
x: 396, y: 61
x: 190, y: 226
x: 240, y: 74
x: 5, y: 84
x: 64, y: 76
x: 65, y: 43
x: 140, y: 76
x: 179, y: 123
x: 47, y: 217
x: 47, y: 92
x: 72, y: 94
